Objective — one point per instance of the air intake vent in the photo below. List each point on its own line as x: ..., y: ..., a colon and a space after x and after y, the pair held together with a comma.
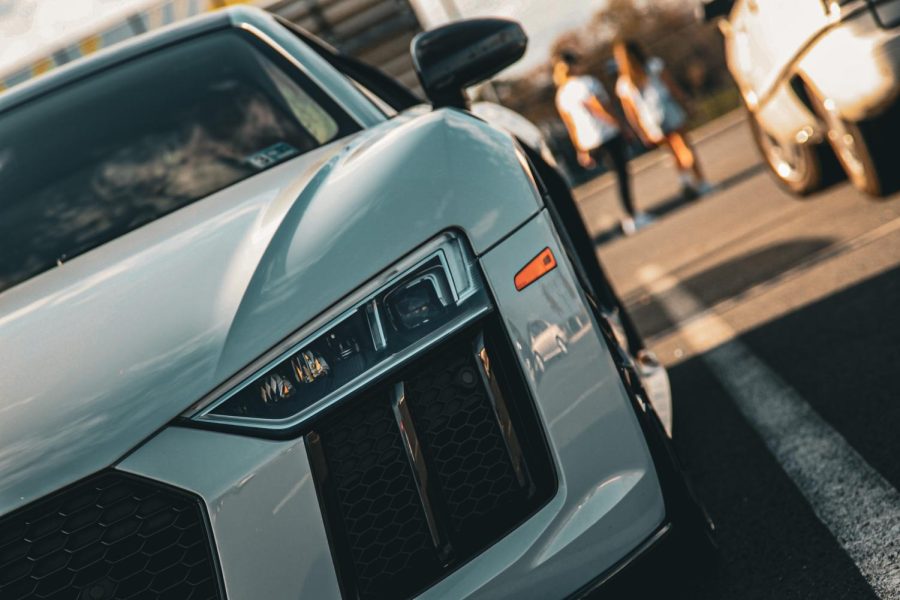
x: 110, y: 536
x: 429, y: 468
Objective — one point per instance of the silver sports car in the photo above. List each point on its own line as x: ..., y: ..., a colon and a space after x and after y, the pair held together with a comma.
x: 267, y: 332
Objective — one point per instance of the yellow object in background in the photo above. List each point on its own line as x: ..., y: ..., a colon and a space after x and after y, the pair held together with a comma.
x: 89, y: 45
x: 213, y: 4
x: 42, y: 66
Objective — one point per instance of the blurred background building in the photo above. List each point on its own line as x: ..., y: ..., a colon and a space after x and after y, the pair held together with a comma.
x: 38, y: 35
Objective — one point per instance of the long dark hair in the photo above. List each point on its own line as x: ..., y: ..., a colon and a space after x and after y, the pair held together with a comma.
x: 636, y: 51
x: 637, y: 59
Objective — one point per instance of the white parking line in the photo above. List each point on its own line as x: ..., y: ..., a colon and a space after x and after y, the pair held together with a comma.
x: 858, y: 506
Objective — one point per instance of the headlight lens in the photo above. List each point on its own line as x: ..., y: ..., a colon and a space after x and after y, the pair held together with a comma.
x: 440, y: 293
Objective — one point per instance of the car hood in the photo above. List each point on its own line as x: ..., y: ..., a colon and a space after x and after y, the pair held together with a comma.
x: 103, y: 351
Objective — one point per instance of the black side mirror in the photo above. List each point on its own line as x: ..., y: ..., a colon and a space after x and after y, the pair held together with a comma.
x: 715, y: 9
x: 460, y: 54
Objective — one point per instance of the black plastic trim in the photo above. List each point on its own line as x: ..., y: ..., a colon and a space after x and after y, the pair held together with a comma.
x: 873, y: 6
x: 653, y: 542
x: 392, y: 92
x: 337, y: 545
x: 211, y: 546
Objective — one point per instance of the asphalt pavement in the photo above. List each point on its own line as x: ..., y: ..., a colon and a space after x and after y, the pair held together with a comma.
x: 779, y: 320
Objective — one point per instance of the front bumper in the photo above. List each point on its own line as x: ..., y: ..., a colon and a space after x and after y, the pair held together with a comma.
x: 267, y: 519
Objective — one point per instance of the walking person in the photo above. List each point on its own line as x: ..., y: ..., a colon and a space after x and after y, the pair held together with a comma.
x: 654, y: 105
x: 583, y: 104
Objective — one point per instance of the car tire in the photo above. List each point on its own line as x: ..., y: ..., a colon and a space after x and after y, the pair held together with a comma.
x: 864, y: 149
x: 797, y: 167
x: 561, y: 345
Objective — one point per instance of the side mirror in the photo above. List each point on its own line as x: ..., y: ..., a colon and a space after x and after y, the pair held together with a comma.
x: 715, y: 9
x: 460, y: 54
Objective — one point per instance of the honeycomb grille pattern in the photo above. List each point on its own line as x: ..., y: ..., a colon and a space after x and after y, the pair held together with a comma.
x: 112, y: 536
x: 384, y: 544
x: 377, y: 497
x: 456, y: 423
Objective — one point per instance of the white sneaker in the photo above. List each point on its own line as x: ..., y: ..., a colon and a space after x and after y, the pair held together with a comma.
x: 629, y: 226
x: 642, y: 220
x: 705, y: 188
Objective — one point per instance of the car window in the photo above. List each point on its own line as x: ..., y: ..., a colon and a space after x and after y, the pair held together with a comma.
x: 535, y: 328
x: 313, y: 117
x: 380, y: 104
x: 98, y: 157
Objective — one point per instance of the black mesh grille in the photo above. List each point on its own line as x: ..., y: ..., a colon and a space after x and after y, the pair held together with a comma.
x: 376, y: 495
x: 111, y: 536
x: 457, y: 426
x: 384, y: 544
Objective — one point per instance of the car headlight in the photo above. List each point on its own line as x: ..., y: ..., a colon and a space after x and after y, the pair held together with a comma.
x: 426, y: 297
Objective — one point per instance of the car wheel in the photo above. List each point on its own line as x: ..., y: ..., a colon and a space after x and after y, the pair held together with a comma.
x: 798, y: 167
x: 863, y: 149
x: 561, y: 345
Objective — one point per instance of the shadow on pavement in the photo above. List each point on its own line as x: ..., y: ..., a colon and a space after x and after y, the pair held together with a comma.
x: 727, y: 280
x: 771, y: 543
x: 841, y: 355
x: 673, y: 203
x: 738, y: 178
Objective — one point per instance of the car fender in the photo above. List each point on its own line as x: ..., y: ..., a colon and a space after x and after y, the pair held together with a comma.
x: 393, y: 188
x: 153, y: 321
x: 855, y: 64
x: 786, y: 118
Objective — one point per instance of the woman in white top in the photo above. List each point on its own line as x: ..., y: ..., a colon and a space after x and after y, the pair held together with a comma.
x: 583, y: 105
x: 650, y: 99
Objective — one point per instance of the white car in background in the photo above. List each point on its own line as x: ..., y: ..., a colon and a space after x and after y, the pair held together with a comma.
x: 548, y: 340
x: 816, y: 74
x: 264, y: 335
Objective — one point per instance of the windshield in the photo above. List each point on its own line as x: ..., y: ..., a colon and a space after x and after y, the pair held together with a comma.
x: 102, y: 156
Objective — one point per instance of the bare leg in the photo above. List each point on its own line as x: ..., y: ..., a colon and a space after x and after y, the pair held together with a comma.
x: 684, y: 154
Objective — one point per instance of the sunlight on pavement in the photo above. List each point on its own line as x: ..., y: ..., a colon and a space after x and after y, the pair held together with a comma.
x: 859, y: 507
x: 791, y: 289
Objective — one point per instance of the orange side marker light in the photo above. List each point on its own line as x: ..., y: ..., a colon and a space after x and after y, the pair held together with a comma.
x: 539, y: 266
